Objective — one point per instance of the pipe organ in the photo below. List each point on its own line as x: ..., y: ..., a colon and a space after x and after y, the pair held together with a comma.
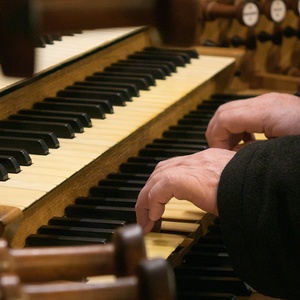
x: 79, y: 138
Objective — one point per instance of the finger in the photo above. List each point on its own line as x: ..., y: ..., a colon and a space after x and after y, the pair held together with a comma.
x: 142, y: 207
x: 148, y: 227
x: 159, y: 195
x: 230, y: 128
x: 223, y: 109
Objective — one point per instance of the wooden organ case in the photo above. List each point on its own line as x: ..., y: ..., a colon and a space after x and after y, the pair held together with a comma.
x: 45, y: 201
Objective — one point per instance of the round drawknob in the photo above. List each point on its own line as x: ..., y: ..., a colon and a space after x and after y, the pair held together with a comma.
x: 246, y: 12
x: 275, y: 10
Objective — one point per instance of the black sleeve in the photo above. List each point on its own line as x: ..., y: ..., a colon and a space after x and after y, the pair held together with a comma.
x: 259, y: 209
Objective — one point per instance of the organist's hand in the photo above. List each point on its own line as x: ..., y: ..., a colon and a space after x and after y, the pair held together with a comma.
x: 274, y: 114
x: 194, y: 178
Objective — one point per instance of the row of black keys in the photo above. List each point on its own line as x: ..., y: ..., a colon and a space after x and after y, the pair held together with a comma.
x: 36, y: 130
x: 42, y: 41
x: 112, y: 201
x: 206, y: 272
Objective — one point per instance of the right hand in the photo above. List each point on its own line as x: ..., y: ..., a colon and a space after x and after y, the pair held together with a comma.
x: 274, y: 114
x: 192, y: 177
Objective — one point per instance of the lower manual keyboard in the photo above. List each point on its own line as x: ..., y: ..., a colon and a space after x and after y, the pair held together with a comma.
x: 47, y: 171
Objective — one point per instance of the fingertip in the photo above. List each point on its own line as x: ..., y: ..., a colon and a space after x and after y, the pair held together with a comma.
x: 148, y: 227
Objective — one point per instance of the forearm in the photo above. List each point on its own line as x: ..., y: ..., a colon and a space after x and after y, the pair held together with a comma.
x: 259, y: 208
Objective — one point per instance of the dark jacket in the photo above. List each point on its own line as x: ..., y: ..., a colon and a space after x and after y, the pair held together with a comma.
x: 259, y: 208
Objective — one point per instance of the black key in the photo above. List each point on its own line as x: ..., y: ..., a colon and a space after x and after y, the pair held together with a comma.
x: 167, y: 52
x: 105, y: 201
x: 21, y: 155
x: 86, y: 222
x: 212, y: 284
x: 34, y: 240
x: 146, y: 159
x: 128, y: 176
x: 211, y: 239
x: 3, y: 173
x: 204, y: 271
x: 184, y: 134
x: 48, y: 137
x: 89, y: 211
x: 201, y: 111
x: 94, y: 111
x: 194, y: 120
x: 48, y: 39
x: 209, y: 105
x: 105, y: 105
x: 193, y: 147
x: 40, y: 42
x: 118, y: 71
x: 207, y: 259
x: 194, y: 295
x: 33, y: 146
x: 199, y: 115
x: 117, y: 192
x: 155, y: 72
x: 167, y: 153
x: 206, y: 247
x: 115, y: 98
x: 231, y: 96
x: 139, y: 168
x: 148, y: 78
x: 165, y: 69
x: 215, y: 101
x: 177, y: 60
x: 10, y: 164
x: 201, y: 142
x: 215, y: 229
x: 103, y: 233
x: 131, y: 88
x: 195, y: 127
x: 83, y: 117
x: 121, y: 182
x: 62, y: 130
x: 122, y: 90
x: 74, y: 123
x: 190, y: 52
x: 140, y: 83
x: 168, y: 64
x: 56, y: 36
x: 108, y: 93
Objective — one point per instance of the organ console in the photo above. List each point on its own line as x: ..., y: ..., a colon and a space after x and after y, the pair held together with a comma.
x: 108, y: 106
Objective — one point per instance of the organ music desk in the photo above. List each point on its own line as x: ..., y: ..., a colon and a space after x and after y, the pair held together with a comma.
x: 45, y: 188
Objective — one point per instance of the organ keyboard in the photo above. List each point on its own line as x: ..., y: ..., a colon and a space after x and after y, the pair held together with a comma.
x: 46, y: 187
x: 42, y: 191
x: 66, y: 50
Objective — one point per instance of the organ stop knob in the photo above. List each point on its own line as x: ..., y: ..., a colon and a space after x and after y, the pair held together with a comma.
x: 275, y: 10
x: 246, y: 12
